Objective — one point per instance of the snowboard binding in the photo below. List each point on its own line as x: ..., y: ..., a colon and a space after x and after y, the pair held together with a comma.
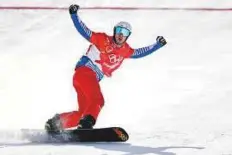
x: 86, y: 122
x: 53, y: 125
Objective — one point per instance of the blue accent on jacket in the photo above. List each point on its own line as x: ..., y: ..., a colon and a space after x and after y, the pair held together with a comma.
x: 144, y: 51
x: 86, y: 33
x: 85, y: 61
x: 81, y: 27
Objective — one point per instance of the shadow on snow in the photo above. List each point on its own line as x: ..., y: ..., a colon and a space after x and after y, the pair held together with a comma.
x: 128, y: 149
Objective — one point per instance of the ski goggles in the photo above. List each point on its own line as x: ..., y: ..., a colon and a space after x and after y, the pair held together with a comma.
x: 125, y: 32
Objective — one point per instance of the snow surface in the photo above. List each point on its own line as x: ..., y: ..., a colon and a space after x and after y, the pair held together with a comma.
x: 176, y: 101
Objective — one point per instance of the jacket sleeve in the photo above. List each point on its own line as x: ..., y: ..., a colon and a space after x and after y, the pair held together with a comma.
x: 144, y: 51
x: 81, y: 27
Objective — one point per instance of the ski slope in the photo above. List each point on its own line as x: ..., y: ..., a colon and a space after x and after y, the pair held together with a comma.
x: 176, y: 101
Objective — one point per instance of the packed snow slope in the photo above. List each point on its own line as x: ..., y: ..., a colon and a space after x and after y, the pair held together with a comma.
x: 175, y: 101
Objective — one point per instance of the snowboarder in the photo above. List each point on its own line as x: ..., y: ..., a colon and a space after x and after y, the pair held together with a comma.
x: 104, y: 55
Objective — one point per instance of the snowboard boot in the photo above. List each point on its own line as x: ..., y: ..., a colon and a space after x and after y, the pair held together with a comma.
x: 53, y: 125
x: 86, y: 122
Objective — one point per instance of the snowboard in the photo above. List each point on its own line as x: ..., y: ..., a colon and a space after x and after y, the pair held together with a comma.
x: 110, y: 134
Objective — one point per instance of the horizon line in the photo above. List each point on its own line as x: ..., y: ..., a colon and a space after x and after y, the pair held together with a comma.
x: 116, y: 8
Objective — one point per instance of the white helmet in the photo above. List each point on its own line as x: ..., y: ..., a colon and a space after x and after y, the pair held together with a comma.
x: 124, y: 25
x: 123, y: 28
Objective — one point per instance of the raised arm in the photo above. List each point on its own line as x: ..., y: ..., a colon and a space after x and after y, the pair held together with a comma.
x: 144, y: 51
x: 80, y: 26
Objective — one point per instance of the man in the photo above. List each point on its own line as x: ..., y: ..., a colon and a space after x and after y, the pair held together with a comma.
x: 105, y: 55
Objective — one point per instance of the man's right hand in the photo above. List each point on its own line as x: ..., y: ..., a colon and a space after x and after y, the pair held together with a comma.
x: 73, y: 8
